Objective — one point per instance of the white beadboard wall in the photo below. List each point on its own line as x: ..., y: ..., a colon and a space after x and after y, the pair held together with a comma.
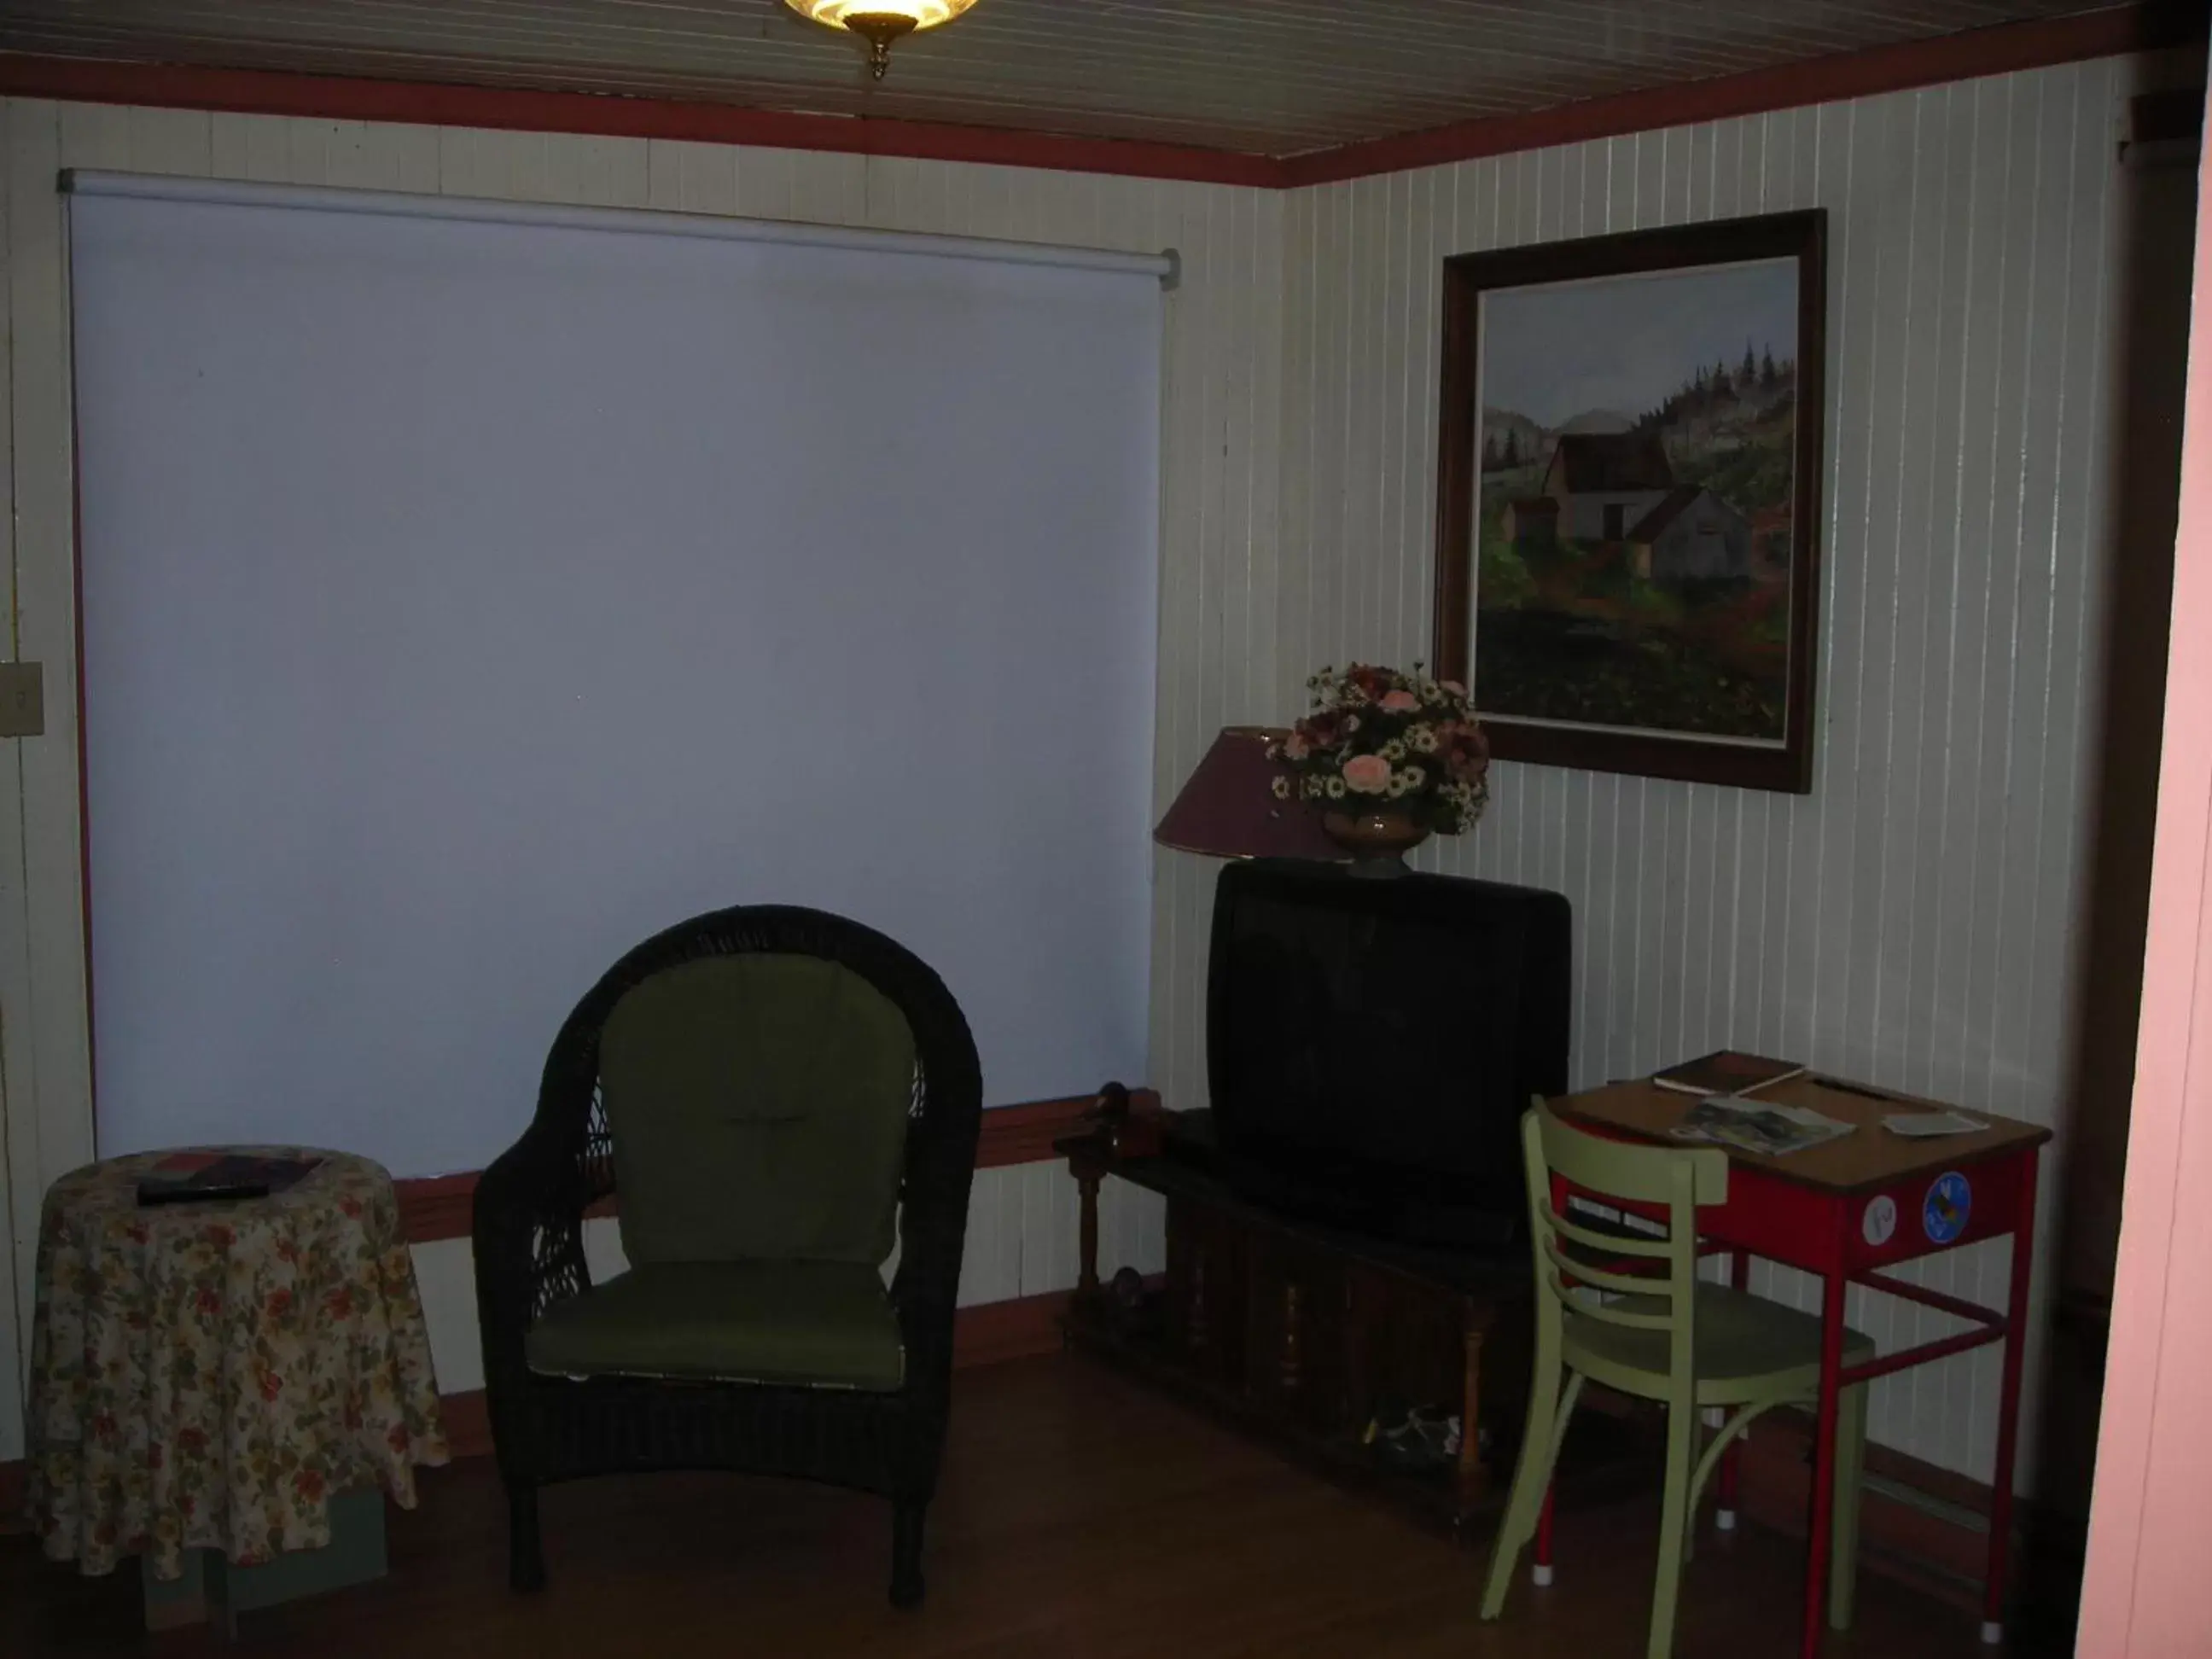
x: 1218, y: 606
x: 1910, y: 921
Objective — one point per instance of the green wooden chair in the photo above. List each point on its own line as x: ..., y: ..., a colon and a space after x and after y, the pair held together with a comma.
x: 1668, y: 1337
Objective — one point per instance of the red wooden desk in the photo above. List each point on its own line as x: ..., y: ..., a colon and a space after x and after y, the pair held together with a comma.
x: 1845, y: 1210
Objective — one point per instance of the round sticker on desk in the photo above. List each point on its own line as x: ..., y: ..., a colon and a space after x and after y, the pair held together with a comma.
x: 1943, y: 1213
x: 1879, y: 1220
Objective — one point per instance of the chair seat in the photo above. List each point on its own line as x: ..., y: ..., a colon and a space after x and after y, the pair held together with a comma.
x: 820, y: 1323
x: 1747, y: 1346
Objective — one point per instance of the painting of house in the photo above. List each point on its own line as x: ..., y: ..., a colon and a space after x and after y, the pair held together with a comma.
x: 1605, y: 482
x: 1692, y: 535
x: 1632, y: 540
x: 1770, y: 544
x: 1532, y: 523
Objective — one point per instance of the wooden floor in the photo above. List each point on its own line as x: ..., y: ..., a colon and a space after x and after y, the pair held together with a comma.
x: 1080, y: 1517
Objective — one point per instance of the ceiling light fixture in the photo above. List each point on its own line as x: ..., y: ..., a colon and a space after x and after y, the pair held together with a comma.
x: 879, y: 22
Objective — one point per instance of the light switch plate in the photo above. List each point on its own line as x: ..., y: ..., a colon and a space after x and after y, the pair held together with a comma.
x: 22, y: 699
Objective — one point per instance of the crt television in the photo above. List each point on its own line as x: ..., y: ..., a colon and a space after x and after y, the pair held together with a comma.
x: 1371, y: 1045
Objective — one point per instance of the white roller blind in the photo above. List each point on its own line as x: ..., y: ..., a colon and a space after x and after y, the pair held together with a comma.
x: 465, y: 601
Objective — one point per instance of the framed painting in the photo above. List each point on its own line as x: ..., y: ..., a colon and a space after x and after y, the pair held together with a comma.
x: 1628, y: 506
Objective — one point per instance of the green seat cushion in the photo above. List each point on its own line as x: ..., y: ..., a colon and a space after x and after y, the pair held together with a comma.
x: 826, y: 1323
x: 758, y: 1109
x: 1740, y: 1338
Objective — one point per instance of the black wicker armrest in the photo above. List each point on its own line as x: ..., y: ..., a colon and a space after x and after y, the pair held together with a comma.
x: 934, y: 1212
x: 527, y: 1234
x: 923, y: 1294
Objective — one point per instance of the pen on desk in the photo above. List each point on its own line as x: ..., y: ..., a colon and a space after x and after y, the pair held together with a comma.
x: 1842, y: 1087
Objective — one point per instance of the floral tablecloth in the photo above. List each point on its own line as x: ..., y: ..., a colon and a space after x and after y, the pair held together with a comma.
x: 206, y: 1376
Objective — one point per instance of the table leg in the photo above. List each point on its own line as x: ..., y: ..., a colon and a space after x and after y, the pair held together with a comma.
x: 1470, y: 1408
x: 2023, y: 1262
x: 1198, y: 1320
x: 1086, y: 1272
x: 1732, y: 1459
x: 1819, y: 1530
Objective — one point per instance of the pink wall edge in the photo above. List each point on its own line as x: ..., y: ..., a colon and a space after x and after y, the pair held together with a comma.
x: 2146, y: 1594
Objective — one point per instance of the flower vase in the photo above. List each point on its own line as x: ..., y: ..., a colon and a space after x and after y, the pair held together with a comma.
x: 1377, y: 839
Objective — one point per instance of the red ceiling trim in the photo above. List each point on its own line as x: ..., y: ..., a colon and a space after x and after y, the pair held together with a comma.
x: 1998, y: 49
x: 327, y: 97
x: 2001, y: 49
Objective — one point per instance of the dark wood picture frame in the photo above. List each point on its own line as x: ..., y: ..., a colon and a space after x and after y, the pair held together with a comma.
x: 1786, y: 766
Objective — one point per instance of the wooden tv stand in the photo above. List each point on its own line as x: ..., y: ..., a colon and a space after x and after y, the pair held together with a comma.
x: 1295, y: 1330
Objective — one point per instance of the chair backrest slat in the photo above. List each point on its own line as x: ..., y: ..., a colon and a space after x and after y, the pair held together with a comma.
x: 1582, y: 1272
x: 1676, y: 1180
x: 1628, y: 1169
x: 1621, y: 1243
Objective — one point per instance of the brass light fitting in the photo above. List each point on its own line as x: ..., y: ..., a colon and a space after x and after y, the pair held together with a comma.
x: 880, y: 22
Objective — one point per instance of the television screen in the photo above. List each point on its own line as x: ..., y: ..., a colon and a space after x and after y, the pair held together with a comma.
x: 1372, y: 1043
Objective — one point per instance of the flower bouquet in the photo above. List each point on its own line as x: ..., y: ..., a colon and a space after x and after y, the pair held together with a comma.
x: 1389, y: 758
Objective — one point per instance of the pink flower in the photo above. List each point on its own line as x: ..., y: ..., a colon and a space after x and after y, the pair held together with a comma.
x: 1294, y: 747
x: 1400, y: 703
x: 1454, y: 687
x: 1367, y: 775
x: 1468, y: 756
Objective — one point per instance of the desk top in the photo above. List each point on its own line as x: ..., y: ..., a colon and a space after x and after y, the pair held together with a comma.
x: 1869, y: 1157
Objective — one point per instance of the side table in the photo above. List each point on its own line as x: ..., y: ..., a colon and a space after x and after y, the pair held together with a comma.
x: 211, y: 1376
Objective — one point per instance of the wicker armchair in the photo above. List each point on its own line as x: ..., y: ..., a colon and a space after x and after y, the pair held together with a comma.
x: 530, y: 1208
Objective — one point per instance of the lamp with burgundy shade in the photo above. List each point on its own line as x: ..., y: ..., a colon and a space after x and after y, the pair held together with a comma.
x: 1228, y: 808
x: 1383, y: 760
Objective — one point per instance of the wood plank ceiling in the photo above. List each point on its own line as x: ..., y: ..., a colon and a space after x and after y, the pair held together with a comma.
x: 1274, y: 77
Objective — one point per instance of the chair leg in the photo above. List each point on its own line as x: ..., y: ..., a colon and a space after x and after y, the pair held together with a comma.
x: 1843, y: 1543
x: 1673, y: 1527
x: 1532, y: 1479
x: 1540, y: 1574
x: 907, y: 1518
x: 525, y: 1552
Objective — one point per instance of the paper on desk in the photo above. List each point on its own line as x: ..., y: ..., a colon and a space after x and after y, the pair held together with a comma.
x: 1758, y: 1126
x: 1920, y: 1126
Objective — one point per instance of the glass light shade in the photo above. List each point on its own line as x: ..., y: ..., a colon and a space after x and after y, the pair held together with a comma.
x: 917, y: 13
x: 879, y: 22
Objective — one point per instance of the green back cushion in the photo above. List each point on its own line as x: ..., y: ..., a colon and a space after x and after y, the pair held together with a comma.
x: 758, y: 1107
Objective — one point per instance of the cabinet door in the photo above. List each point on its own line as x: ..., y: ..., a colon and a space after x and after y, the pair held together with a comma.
x: 1206, y: 1293
x: 1296, y: 1326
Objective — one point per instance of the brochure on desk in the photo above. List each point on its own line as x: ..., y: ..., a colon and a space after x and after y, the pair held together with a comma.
x: 1764, y: 1127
